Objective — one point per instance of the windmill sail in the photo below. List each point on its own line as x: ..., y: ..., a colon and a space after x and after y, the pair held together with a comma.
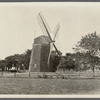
x: 41, y: 25
x: 55, y: 35
x: 48, y: 28
x: 47, y: 31
x: 51, y: 47
x: 55, y: 32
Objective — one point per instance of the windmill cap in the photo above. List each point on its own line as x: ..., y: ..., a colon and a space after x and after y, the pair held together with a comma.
x: 43, y: 39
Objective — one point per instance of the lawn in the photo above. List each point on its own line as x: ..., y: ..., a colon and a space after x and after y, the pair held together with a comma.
x: 49, y: 86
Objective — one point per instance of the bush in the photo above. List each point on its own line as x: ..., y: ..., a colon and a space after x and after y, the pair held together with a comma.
x: 62, y: 76
x: 51, y: 77
x: 45, y: 76
x: 39, y: 76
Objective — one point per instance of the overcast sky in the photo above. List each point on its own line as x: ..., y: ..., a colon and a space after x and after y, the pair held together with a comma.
x: 18, y: 23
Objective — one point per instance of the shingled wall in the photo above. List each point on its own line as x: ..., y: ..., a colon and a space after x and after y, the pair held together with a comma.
x: 39, y: 56
x: 45, y: 49
x: 35, y: 58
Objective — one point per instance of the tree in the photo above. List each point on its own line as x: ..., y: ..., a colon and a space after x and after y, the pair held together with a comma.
x: 62, y: 63
x: 90, y: 46
x: 23, y: 59
x: 18, y: 60
x: 70, y: 61
x: 2, y: 64
x: 9, y: 61
x: 26, y: 59
x: 89, y: 43
x: 92, y: 60
x: 55, y: 59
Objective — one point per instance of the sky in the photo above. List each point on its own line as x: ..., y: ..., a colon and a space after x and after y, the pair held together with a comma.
x: 19, y: 25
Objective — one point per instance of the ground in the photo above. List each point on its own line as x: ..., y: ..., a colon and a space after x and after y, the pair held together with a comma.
x: 49, y: 86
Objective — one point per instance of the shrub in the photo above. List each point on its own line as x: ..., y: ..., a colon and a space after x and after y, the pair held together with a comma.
x: 39, y: 76
x: 45, y: 76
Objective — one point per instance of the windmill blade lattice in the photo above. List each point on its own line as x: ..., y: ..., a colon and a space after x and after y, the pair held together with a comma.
x: 51, y: 47
x: 45, y: 28
x: 55, y: 35
x: 48, y: 28
x: 41, y: 25
x: 48, y: 34
x: 56, y: 31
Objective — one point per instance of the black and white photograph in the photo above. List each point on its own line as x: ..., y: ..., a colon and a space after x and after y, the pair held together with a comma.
x: 50, y: 48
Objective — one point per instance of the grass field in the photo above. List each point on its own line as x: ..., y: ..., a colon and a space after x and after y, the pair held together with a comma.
x: 49, y: 86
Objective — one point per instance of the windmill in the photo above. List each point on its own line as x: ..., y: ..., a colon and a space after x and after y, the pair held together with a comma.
x: 40, y: 60
x: 46, y: 30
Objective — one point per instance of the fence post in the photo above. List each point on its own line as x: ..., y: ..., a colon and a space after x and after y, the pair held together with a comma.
x: 79, y: 73
x: 14, y: 74
x: 2, y: 73
x: 29, y: 74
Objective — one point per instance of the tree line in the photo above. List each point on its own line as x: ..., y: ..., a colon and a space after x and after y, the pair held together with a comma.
x: 86, y: 56
x: 17, y: 60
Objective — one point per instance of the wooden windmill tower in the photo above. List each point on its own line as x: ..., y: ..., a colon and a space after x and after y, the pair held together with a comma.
x: 42, y: 47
